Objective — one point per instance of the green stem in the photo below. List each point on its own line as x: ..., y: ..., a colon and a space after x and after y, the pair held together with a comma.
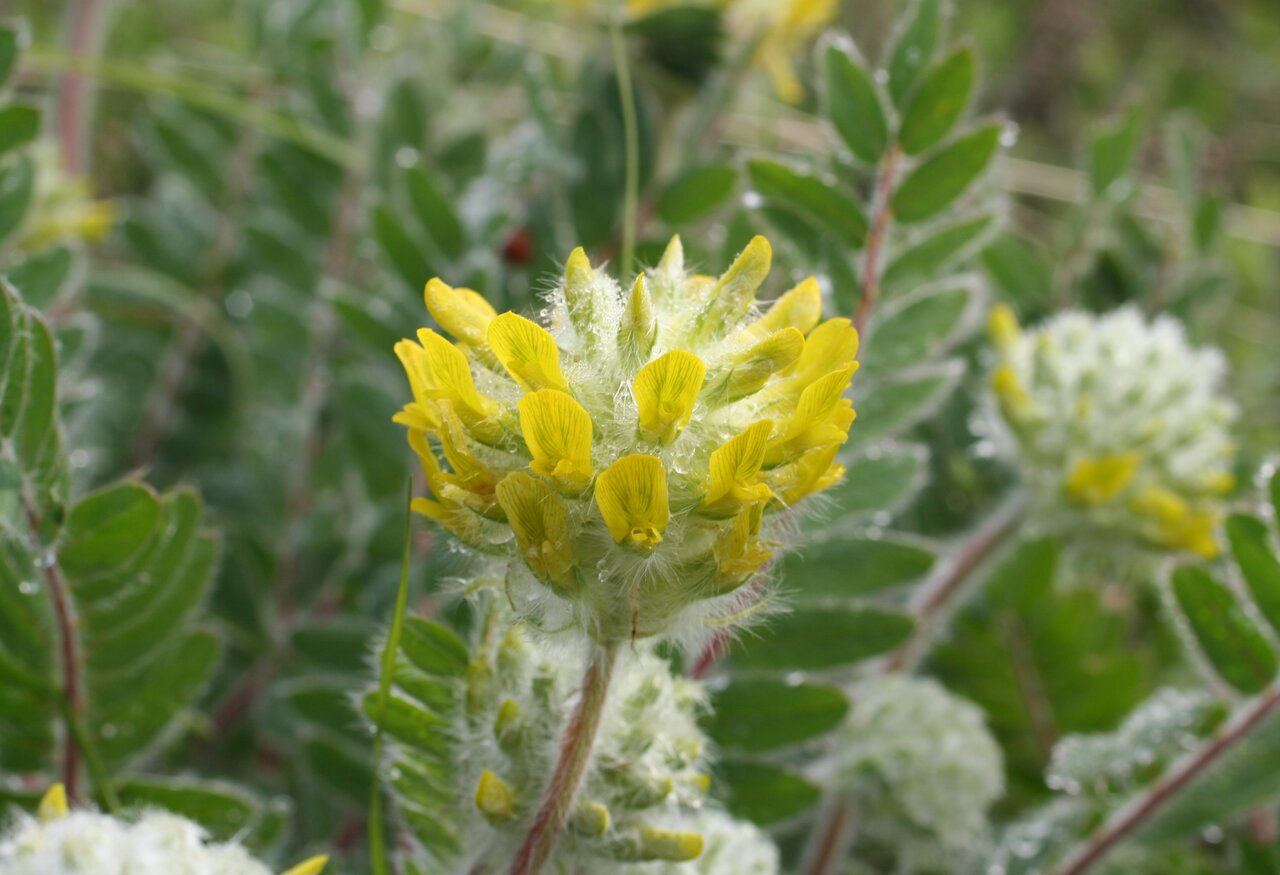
x: 377, y: 841
x: 631, y: 134
x: 575, y: 753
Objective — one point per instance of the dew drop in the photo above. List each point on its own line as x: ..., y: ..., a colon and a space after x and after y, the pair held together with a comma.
x: 1009, y: 134
x: 239, y: 304
x: 108, y: 730
x: 752, y: 200
x: 28, y: 587
x: 407, y: 156
x: 1212, y: 834
x: 78, y: 458
x: 882, y: 76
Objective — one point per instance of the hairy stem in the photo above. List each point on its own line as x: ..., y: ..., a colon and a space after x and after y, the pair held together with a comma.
x: 938, y: 594
x: 72, y: 118
x: 881, y: 213
x: 575, y: 752
x: 1123, y: 823
x: 631, y: 135
x: 833, y: 839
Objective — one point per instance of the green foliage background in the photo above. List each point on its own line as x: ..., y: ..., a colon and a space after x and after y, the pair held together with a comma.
x: 220, y: 459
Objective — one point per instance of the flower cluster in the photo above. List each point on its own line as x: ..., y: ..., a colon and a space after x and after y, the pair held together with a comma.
x: 62, y: 208
x: 1121, y: 425
x: 730, y: 847
x: 922, y: 767
x: 60, y: 842
x: 646, y: 775
x: 634, y: 457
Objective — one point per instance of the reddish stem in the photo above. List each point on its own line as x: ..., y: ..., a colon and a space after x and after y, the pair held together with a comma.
x: 575, y: 753
x: 833, y: 840
x: 73, y: 92
x: 881, y: 213
x: 1126, y: 821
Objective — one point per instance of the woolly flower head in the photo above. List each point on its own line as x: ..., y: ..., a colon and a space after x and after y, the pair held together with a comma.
x: 60, y: 842
x: 922, y: 766
x: 635, y: 457
x: 644, y: 780
x: 1120, y: 423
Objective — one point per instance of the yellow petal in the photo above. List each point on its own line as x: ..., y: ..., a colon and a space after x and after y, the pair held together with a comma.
x: 800, y: 308
x: 450, y: 376
x: 1096, y: 481
x: 730, y: 298
x: 822, y: 417
x: 1176, y: 524
x: 471, y: 480
x: 753, y: 368
x: 738, y: 551
x: 422, y: 413
x: 540, y: 522
x: 53, y: 804
x: 461, y: 312
x: 734, y: 471
x: 1013, y: 398
x: 672, y: 261
x: 527, y: 351
x: 831, y: 345
x: 639, y: 326
x: 632, y: 497
x: 580, y: 291
x: 311, y: 866
x: 494, y: 797
x: 557, y: 431
x: 673, y: 846
x: 813, y: 472
x: 1003, y: 327
x: 666, y: 390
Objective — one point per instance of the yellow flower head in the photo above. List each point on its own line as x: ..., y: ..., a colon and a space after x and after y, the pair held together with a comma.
x: 1119, y: 423
x: 633, y: 450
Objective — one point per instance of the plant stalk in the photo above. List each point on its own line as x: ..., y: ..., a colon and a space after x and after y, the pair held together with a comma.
x: 575, y: 753
x: 1123, y: 823
x: 833, y: 840
x: 631, y: 135
x: 881, y: 213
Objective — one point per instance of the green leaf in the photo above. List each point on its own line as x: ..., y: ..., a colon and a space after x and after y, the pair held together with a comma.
x: 762, y: 793
x: 1111, y: 154
x: 1274, y: 489
x: 17, y: 182
x: 223, y: 809
x: 106, y: 528
x: 41, y: 276
x: 913, y: 50
x: 878, y: 481
x: 821, y: 202
x: 853, y: 102
x: 926, y: 260
x: 820, y: 638
x: 891, y: 406
x: 939, y: 102
x: 435, y: 213
x: 402, y: 252
x: 1258, y: 564
x: 845, y: 567
x: 1234, y: 646
x: 338, y: 646
x: 932, y: 186
x: 1043, y: 660
x: 696, y: 192
x: 18, y: 126
x: 917, y: 330
x: 434, y: 648
x: 753, y: 716
x: 8, y: 51
x: 1018, y: 269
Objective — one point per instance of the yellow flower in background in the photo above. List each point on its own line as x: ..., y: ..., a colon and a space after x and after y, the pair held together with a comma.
x: 1119, y: 423
x: 62, y: 208
x: 631, y: 453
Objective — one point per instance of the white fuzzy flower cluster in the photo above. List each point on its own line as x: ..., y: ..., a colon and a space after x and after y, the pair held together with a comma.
x: 730, y: 847
x: 157, y: 843
x: 922, y: 767
x: 1121, y: 425
x: 644, y: 781
x: 1165, y: 726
